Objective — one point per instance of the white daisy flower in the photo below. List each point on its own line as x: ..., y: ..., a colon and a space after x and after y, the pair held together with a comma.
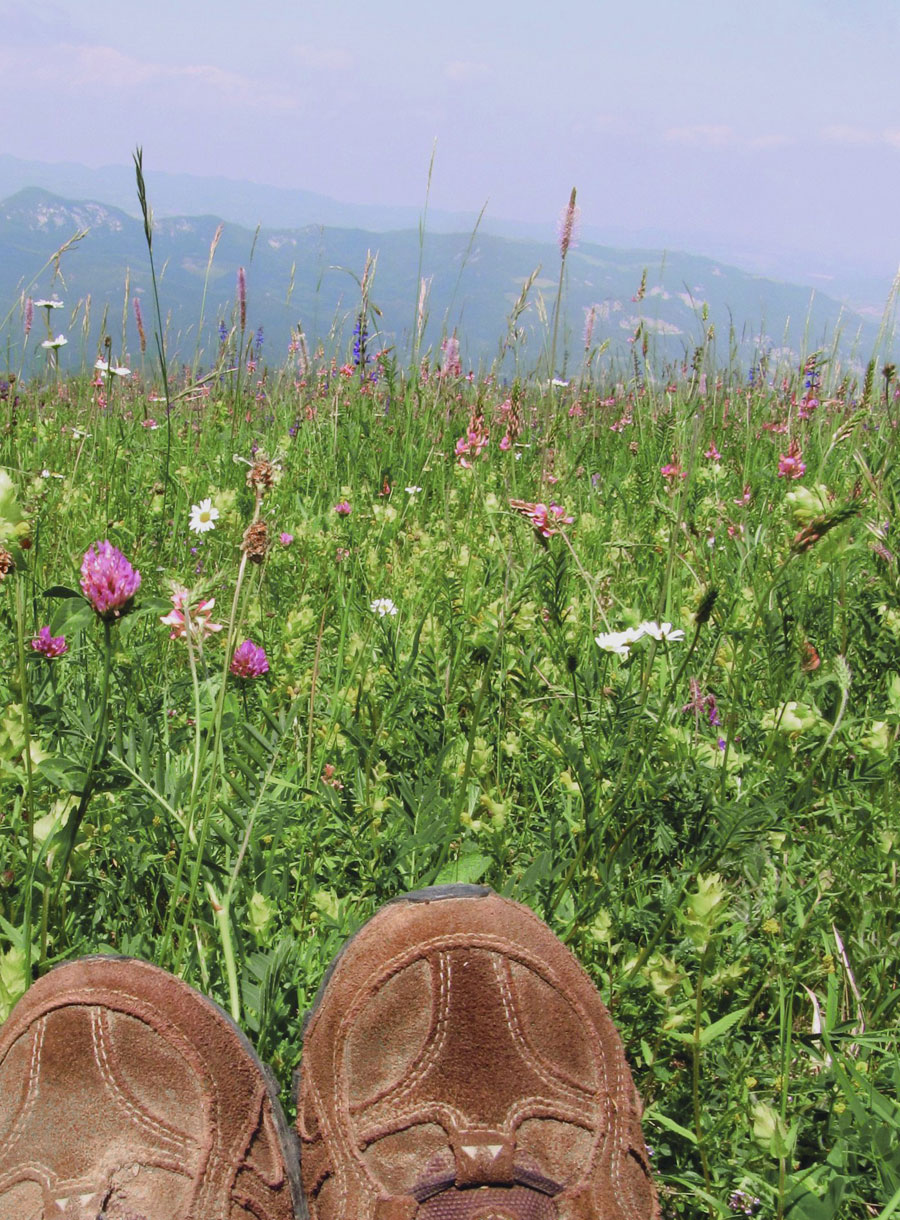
x: 662, y: 631
x: 413, y: 491
x: 383, y: 606
x: 619, y: 642
x: 59, y: 341
x: 203, y: 517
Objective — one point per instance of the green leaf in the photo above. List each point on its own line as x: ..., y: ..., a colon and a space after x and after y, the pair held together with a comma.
x: 652, y: 1115
x: 722, y: 1026
x: 63, y: 591
x: 63, y: 773
x: 468, y: 868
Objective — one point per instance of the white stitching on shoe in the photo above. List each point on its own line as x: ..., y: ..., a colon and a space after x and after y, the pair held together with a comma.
x: 540, y: 1069
x: 100, y: 1036
x: 31, y: 1094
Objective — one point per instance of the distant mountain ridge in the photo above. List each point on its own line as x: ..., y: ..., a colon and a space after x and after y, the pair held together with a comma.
x: 307, y: 277
x: 254, y: 203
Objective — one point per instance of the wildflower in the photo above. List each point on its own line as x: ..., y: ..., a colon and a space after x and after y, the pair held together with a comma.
x: 203, y: 517
x: 546, y: 518
x: 568, y: 224
x: 7, y: 563
x: 182, y: 619
x: 743, y: 1202
x: 712, y: 453
x: 255, y: 542
x: 618, y: 642
x: 249, y: 661
x: 343, y: 508
x: 29, y: 315
x: 48, y: 645
x: 672, y: 471
x: 476, y: 438
x: 59, y: 341
x: 661, y: 631
x: 139, y: 322
x: 450, y: 367
x: 108, y: 580
x: 328, y: 777
x: 55, y: 303
x: 790, y: 465
x: 285, y: 539
x: 383, y: 606
x: 413, y: 491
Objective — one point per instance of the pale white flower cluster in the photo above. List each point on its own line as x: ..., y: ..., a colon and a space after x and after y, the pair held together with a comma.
x: 383, y: 606
x: 620, y: 642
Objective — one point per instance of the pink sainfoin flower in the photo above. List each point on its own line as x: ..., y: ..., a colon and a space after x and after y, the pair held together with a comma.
x: 183, y: 618
x: 29, y: 315
x: 139, y: 322
x: 790, y: 465
x: 48, y: 645
x: 451, y: 367
x: 476, y: 438
x: 546, y: 518
x: 568, y: 223
x: 712, y: 453
x: 343, y: 508
x: 108, y: 580
x: 249, y: 661
x: 672, y: 471
x: 285, y: 539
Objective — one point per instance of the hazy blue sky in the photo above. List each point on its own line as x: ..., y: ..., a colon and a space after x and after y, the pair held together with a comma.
x: 774, y: 125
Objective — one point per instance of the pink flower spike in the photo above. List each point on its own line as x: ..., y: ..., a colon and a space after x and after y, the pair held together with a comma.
x: 249, y: 661
x: 789, y: 464
x: 343, y: 508
x: 108, y: 580
x: 546, y: 518
x: 48, y: 645
x: 285, y: 539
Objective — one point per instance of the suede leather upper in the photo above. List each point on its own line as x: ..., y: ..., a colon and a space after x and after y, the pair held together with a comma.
x: 460, y: 1065
x: 124, y: 1092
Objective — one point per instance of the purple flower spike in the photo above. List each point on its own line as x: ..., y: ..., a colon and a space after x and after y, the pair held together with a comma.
x: 108, y: 580
x: 48, y: 645
x: 249, y: 661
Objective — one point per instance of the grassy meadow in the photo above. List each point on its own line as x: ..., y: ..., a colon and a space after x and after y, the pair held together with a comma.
x: 624, y: 646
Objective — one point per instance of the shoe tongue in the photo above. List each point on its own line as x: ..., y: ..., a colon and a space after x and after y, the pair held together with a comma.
x: 488, y: 1203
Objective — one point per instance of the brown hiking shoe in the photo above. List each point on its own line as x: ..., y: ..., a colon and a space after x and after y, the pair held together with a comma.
x: 127, y: 1095
x: 460, y: 1065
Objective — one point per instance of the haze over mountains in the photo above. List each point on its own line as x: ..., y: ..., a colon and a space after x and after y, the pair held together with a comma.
x: 304, y: 261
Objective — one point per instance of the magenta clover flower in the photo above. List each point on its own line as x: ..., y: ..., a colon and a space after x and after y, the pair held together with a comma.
x: 108, y: 580
x: 48, y: 645
x: 249, y: 661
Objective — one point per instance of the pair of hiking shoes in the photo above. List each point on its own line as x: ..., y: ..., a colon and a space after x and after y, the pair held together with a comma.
x: 458, y: 1064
